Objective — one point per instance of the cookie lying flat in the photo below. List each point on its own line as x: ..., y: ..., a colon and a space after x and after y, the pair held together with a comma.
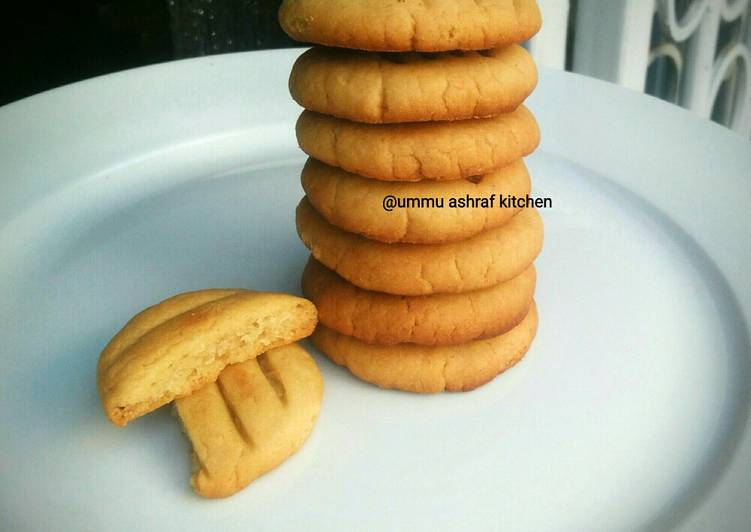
x: 251, y: 419
x: 403, y: 25
x: 417, y: 368
x: 412, y: 87
x: 440, y: 319
x: 355, y: 203
x: 423, y: 150
x: 483, y: 260
x: 183, y: 343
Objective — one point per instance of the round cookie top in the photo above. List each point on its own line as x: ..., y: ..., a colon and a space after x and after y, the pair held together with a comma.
x: 251, y: 419
x: 438, y: 319
x: 412, y: 87
x: 410, y: 25
x: 419, y: 150
x: 429, y: 369
x: 426, y: 215
x: 483, y: 260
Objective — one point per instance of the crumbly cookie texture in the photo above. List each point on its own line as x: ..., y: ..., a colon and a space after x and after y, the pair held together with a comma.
x: 183, y: 343
x: 480, y: 261
x: 405, y: 25
x: 422, y: 369
x: 412, y: 87
x: 422, y: 150
x: 251, y: 419
x: 355, y: 203
x: 440, y: 319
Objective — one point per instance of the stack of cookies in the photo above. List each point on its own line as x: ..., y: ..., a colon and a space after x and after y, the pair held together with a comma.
x: 421, y: 272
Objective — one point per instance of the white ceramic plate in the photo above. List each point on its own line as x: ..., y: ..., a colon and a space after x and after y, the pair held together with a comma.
x: 629, y: 412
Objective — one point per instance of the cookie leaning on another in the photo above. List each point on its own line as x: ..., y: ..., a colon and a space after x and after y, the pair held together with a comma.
x: 246, y: 397
x: 481, y: 261
x: 404, y: 25
x: 183, y: 343
x: 251, y: 419
x: 422, y: 369
x: 423, y: 150
x: 439, y: 319
x: 355, y: 203
x: 412, y: 87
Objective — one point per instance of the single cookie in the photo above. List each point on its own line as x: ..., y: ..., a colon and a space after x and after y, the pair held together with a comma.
x: 251, y: 419
x: 183, y: 343
x: 412, y: 87
x: 483, y: 260
x: 422, y: 150
x: 439, y: 319
x: 423, y: 213
x: 417, y: 368
x: 404, y: 25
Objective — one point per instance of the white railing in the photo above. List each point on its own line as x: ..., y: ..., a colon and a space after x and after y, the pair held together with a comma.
x: 694, y: 53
